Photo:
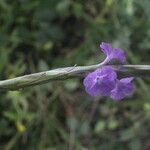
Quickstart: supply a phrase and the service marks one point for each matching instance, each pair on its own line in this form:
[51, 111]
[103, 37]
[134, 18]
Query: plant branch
[68, 72]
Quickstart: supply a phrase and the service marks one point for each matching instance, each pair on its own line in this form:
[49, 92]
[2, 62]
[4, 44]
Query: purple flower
[112, 53]
[104, 82]
[123, 88]
[100, 82]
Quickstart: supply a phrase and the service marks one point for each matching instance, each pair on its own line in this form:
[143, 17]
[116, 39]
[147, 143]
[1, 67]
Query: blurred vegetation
[37, 35]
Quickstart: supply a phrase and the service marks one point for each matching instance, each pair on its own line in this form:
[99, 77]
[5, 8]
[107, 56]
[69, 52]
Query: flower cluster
[104, 81]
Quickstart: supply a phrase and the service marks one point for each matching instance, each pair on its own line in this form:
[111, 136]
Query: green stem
[68, 72]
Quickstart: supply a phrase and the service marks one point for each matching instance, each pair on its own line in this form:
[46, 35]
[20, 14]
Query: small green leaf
[100, 126]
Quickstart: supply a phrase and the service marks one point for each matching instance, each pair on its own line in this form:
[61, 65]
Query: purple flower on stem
[112, 53]
[123, 88]
[104, 82]
[100, 82]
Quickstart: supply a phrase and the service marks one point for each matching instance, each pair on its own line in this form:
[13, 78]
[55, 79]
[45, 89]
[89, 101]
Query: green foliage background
[37, 35]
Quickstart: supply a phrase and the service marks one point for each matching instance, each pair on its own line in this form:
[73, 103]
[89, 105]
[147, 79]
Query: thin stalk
[68, 72]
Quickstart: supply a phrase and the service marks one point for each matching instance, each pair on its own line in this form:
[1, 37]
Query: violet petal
[100, 82]
[123, 88]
